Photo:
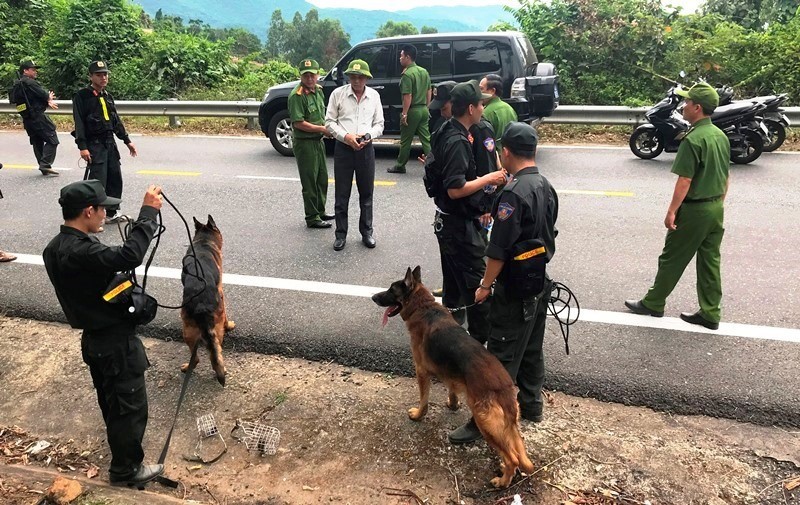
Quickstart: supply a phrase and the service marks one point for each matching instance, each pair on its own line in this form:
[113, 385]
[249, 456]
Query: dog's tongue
[385, 318]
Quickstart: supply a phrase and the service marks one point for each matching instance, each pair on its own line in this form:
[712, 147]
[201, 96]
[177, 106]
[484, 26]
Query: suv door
[380, 58]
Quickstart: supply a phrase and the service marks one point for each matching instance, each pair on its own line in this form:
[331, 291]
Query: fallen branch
[602, 462]
[455, 478]
[404, 492]
[539, 470]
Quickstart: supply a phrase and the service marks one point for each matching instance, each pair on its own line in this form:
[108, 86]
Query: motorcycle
[773, 116]
[741, 122]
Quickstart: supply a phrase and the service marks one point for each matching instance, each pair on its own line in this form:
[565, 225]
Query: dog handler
[521, 243]
[80, 268]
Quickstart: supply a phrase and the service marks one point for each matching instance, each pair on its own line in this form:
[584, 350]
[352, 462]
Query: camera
[364, 138]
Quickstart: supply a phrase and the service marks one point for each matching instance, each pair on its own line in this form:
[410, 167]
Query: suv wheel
[280, 133]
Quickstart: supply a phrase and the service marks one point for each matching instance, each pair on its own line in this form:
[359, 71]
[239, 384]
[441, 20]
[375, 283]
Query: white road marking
[587, 315]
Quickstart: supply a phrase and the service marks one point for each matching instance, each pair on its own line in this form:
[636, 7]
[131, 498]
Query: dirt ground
[345, 438]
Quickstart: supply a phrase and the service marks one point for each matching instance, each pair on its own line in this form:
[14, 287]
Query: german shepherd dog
[442, 348]
[203, 313]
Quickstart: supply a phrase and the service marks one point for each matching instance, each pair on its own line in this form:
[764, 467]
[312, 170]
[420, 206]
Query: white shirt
[348, 115]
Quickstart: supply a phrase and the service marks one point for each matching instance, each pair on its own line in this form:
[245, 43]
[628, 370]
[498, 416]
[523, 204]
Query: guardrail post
[174, 121]
[252, 121]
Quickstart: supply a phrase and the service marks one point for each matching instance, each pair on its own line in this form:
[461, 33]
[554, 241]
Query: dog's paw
[500, 482]
[416, 414]
[452, 403]
[229, 325]
[184, 367]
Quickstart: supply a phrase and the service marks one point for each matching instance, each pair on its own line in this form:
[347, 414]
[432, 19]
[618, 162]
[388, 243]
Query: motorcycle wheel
[646, 144]
[753, 147]
[777, 134]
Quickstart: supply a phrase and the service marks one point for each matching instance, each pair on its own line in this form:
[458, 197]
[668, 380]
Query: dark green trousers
[417, 125]
[699, 232]
[310, 157]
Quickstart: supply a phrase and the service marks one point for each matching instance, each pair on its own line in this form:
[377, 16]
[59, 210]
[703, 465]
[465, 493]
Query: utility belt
[702, 200]
[101, 139]
[526, 272]
[441, 218]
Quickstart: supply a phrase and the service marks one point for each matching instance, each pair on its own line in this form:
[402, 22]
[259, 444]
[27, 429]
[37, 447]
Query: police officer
[80, 269]
[694, 218]
[522, 242]
[96, 123]
[32, 100]
[415, 88]
[307, 114]
[496, 110]
[458, 230]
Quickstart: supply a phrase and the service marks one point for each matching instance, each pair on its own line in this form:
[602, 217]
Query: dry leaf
[92, 472]
[309, 488]
[195, 467]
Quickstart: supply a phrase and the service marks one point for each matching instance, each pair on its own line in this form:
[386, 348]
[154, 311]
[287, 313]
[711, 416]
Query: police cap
[441, 95]
[702, 94]
[96, 67]
[82, 194]
[520, 137]
[26, 64]
[466, 93]
[308, 65]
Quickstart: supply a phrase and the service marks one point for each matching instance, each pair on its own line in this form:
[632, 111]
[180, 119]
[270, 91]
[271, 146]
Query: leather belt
[702, 200]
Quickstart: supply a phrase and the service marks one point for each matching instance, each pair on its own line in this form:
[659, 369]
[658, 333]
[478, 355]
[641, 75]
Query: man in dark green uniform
[496, 110]
[80, 269]
[96, 123]
[32, 100]
[415, 88]
[522, 242]
[695, 215]
[307, 113]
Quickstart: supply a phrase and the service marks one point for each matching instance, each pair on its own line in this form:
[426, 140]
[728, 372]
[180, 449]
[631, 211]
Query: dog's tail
[209, 337]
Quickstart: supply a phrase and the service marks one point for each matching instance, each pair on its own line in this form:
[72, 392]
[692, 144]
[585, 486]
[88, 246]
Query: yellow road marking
[377, 183]
[168, 172]
[594, 193]
[21, 167]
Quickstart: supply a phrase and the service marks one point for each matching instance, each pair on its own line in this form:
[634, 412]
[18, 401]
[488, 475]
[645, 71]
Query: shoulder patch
[489, 144]
[504, 211]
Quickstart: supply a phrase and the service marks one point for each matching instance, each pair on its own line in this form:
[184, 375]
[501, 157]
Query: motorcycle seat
[731, 110]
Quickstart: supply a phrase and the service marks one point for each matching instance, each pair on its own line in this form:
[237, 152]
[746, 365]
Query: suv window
[476, 57]
[379, 58]
[440, 66]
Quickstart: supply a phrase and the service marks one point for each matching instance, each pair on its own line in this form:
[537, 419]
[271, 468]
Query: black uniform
[80, 268]
[527, 208]
[31, 100]
[461, 242]
[481, 136]
[96, 123]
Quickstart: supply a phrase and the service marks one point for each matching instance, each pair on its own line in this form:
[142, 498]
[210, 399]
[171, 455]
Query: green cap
[98, 67]
[308, 65]
[520, 137]
[82, 194]
[26, 64]
[359, 67]
[467, 93]
[702, 94]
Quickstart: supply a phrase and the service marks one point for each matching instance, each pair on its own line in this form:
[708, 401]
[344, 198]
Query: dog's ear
[409, 279]
[197, 224]
[417, 273]
[211, 222]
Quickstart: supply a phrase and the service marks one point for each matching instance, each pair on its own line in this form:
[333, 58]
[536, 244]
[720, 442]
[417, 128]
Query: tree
[392, 29]
[322, 39]
[501, 26]
[753, 14]
[428, 29]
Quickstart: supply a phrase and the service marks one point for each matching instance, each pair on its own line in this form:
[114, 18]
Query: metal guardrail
[248, 109]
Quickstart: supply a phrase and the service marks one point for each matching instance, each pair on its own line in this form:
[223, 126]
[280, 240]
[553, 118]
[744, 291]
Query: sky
[687, 5]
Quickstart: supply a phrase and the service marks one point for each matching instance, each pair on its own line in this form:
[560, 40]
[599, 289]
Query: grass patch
[280, 398]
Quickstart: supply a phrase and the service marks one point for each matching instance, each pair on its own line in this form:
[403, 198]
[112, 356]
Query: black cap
[82, 194]
[467, 93]
[98, 66]
[26, 64]
[441, 94]
[520, 137]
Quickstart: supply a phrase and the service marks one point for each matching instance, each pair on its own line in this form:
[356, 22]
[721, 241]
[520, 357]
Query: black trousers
[347, 162]
[462, 246]
[44, 139]
[106, 168]
[117, 362]
[518, 344]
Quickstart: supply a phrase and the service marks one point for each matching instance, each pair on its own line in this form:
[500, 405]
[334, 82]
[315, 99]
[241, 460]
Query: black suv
[529, 86]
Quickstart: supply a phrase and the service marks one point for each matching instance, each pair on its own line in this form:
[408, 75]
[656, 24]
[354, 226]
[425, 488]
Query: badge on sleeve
[504, 211]
[489, 144]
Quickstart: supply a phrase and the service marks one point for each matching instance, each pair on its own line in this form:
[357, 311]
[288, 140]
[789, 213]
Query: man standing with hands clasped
[694, 218]
[32, 100]
[96, 123]
[355, 117]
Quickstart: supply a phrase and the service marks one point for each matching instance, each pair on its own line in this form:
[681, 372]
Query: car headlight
[518, 88]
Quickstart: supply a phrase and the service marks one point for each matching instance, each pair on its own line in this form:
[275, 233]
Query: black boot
[466, 433]
[143, 475]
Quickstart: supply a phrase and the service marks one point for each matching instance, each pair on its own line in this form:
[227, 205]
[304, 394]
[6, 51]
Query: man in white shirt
[355, 118]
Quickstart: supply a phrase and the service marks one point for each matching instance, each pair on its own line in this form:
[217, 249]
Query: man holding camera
[81, 269]
[355, 118]
[32, 100]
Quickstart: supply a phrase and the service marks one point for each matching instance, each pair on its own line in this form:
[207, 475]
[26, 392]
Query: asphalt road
[290, 293]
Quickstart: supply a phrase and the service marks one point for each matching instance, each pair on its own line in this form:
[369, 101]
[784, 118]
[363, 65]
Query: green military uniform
[703, 156]
[415, 81]
[309, 150]
[499, 113]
